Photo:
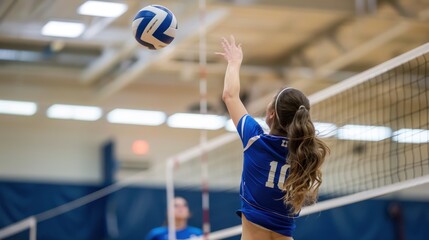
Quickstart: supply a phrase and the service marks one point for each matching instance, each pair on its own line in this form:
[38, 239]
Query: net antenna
[388, 104]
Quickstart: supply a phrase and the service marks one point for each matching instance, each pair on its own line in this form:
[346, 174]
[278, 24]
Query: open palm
[232, 51]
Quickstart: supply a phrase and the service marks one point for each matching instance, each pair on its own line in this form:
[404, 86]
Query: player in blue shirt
[183, 231]
[281, 170]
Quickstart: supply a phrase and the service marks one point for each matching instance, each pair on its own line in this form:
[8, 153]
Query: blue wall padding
[366, 220]
[19, 200]
[139, 209]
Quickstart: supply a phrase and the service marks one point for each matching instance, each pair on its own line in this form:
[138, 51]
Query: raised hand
[232, 51]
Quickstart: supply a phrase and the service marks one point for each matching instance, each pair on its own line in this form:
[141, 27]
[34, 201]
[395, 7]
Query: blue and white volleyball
[154, 27]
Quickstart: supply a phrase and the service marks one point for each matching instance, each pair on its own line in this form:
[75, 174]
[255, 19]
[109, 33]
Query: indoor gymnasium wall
[38, 149]
[54, 152]
[42, 149]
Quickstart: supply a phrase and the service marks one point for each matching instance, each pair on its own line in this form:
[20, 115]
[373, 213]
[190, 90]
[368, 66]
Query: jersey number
[273, 170]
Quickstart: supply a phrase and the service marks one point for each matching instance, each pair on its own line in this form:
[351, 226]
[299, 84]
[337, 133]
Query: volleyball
[154, 27]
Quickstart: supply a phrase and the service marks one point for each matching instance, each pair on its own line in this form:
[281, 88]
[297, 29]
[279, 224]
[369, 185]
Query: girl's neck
[276, 132]
[180, 224]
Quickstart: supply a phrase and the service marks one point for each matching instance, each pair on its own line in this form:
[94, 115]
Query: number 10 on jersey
[272, 173]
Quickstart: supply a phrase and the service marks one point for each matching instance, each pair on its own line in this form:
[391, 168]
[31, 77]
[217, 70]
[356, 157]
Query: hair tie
[302, 107]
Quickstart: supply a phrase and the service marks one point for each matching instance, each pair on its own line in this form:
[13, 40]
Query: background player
[183, 231]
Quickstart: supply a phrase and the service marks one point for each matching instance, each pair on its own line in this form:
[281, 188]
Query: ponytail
[306, 155]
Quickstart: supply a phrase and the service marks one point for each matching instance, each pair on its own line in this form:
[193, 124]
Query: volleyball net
[376, 124]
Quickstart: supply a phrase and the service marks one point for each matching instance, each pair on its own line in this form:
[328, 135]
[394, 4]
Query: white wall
[40, 149]
[32, 150]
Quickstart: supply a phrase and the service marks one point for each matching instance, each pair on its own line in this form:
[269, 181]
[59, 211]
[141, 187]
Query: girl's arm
[231, 90]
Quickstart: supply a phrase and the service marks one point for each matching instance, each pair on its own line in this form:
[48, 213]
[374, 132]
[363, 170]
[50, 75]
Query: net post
[170, 198]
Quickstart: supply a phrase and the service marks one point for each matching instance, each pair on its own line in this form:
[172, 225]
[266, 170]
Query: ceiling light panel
[196, 121]
[407, 135]
[17, 107]
[102, 9]
[63, 29]
[74, 112]
[364, 133]
[136, 117]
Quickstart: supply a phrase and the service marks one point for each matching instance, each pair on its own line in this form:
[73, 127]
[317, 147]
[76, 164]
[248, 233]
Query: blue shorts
[274, 222]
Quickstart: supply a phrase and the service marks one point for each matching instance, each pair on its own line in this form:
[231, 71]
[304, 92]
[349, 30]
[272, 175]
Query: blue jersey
[264, 172]
[161, 233]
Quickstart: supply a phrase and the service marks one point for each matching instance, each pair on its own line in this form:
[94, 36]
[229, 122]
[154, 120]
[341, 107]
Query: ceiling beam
[356, 53]
[110, 57]
[107, 61]
[5, 8]
[325, 32]
[97, 25]
[38, 73]
[332, 5]
[41, 9]
[188, 30]
[353, 54]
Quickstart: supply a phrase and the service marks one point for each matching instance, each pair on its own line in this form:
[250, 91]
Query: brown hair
[306, 151]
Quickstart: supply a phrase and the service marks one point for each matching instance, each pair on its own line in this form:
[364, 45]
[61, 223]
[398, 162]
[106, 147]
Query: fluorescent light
[196, 121]
[63, 29]
[137, 117]
[102, 9]
[364, 133]
[17, 107]
[325, 130]
[407, 135]
[84, 113]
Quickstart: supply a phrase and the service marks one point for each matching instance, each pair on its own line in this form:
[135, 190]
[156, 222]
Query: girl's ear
[271, 114]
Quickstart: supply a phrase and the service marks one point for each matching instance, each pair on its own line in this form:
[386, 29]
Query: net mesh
[378, 132]
[224, 164]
